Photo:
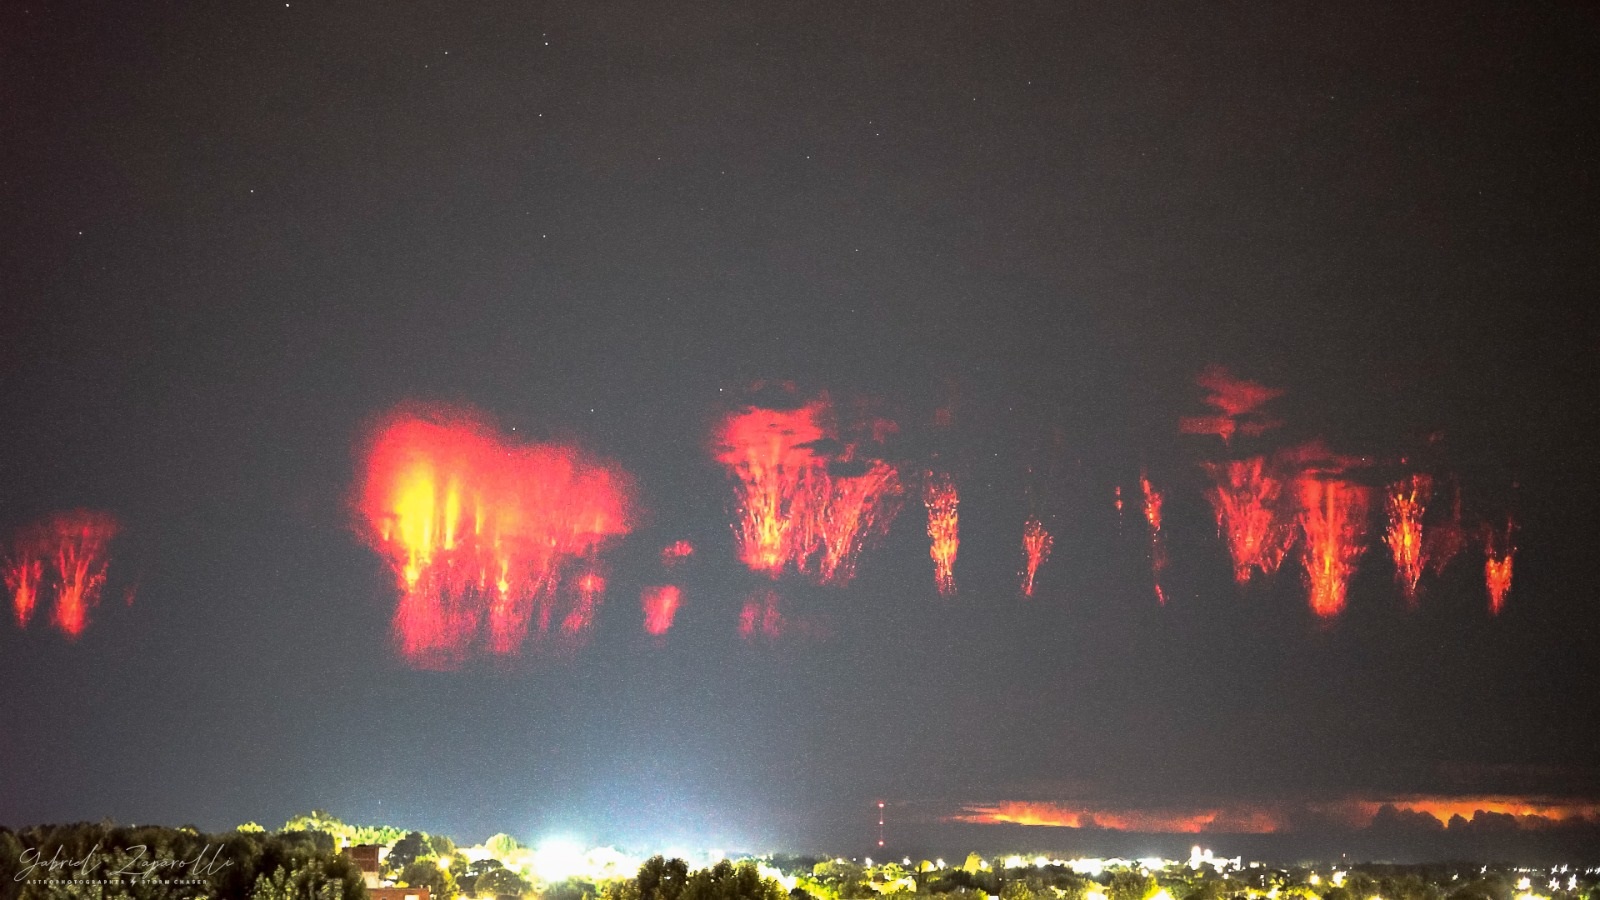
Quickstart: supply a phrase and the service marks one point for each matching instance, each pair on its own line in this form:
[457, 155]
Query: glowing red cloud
[676, 552]
[764, 619]
[1237, 403]
[806, 500]
[1036, 543]
[760, 617]
[859, 503]
[1158, 547]
[70, 547]
[1246, 497]
[944, 528]
[769, 453]
[1405, 505]
[80, 540]
[24, 572]
[660, 604]
[1234, 396]
[1333, 516]
[1498, 554]
[480, 532]
[586, 593]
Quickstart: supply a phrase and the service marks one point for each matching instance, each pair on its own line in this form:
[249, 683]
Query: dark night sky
[236, 232]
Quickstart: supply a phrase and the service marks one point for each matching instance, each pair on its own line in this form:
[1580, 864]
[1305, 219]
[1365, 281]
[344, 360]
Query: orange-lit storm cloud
[1529, 812]
[1151, 821]
[1355, 813]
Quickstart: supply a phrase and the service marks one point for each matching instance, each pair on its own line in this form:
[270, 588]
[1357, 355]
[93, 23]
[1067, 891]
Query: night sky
[236, 235]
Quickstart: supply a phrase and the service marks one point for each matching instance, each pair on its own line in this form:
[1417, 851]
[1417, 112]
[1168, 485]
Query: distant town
[317, 856]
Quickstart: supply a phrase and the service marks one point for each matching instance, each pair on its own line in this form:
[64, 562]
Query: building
[367, 858]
